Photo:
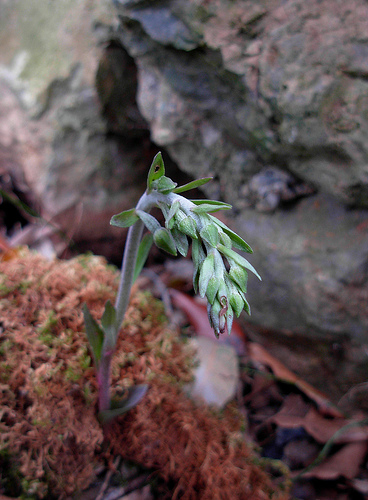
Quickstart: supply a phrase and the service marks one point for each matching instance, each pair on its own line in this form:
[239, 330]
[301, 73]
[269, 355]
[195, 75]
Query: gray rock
[281, 85]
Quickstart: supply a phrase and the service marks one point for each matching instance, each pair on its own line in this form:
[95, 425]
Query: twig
[107, 479]
[135, 484]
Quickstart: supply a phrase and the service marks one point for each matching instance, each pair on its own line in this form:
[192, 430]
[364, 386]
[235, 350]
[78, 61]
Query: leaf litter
[325, 449]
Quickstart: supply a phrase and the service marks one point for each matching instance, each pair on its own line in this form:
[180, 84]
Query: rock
[217, 375]
[229, 89]
[278, 85]
[75, 165]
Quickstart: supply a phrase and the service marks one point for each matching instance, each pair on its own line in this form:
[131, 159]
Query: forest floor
[278, 437]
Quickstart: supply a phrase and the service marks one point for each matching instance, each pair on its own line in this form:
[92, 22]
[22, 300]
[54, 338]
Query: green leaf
[238, 242]
[207, 206]
[192, 185]
[181, 241]
[108, 323]
[210, 234]
[163, 239]
[156, 171]
[124, 219]
[238, 259]
[164, 185]
[206, 272]
[149, 221]
[239, 275]
[94, 333]
[142, 254]
[135, 394]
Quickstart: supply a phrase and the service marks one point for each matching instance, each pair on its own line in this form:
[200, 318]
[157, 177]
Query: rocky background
[269, 97]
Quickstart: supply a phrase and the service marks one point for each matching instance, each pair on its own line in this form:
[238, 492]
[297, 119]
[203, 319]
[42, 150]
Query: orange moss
[48, 393]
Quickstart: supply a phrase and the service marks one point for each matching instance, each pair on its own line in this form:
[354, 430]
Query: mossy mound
[50, 439]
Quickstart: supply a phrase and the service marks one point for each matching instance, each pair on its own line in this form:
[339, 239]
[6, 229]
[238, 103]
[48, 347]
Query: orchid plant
[213, 243]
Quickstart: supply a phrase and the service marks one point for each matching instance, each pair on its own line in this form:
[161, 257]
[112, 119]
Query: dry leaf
[259, 354]
[344, 463]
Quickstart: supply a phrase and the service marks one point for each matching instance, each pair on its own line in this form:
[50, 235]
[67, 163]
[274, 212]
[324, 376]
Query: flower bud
[206, 272]
[165, 241]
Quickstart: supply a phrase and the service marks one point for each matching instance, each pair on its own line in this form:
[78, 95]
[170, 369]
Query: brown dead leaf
[344, 463]
[259, 354]
[319, 427]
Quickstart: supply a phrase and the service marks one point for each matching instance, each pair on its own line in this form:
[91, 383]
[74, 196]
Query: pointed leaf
[210, 234]
[238, 242]
[108, 322]
[149, 221]
[192, 185]
[156, 171]
[143, 251]
[124, 219]
[206, 272]
[135, 394]
[207, 206]
[163, 239]
[181, 241]
[238, 259]
[94, 333]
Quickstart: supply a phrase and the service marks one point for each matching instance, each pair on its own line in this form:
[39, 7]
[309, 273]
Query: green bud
[206, 272]
[170, 220]
[165, 241]
[213, 312]
[212, 289]
[198, 257]
[188, 226]
[239, 276]
[181, 241]
[210, 234]
[229, 319]
[164, 185]
[225, 239]
[235, 299]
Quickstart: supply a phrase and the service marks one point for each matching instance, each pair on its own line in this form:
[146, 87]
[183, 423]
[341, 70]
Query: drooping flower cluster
[223, 285]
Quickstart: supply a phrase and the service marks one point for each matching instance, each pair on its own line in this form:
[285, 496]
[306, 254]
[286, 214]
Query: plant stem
[103, 380]
[146, 202]
[127, 271]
